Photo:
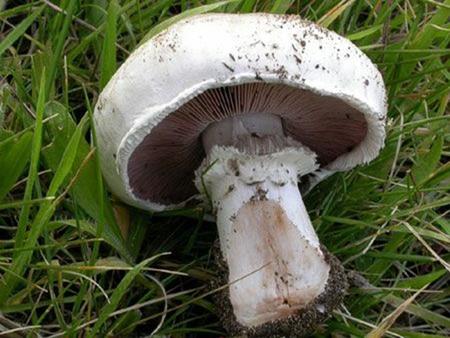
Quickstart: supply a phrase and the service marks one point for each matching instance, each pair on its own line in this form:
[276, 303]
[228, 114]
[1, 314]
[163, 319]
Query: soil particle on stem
[301, 324]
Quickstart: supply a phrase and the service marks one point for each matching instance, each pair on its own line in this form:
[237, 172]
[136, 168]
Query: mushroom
[241, 109]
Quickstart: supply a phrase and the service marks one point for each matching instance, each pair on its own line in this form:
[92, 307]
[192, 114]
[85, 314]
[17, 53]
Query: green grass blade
[14, 156]
[68, 159]
[100, 187]
[364, 33]
[420, 281]
[419, 311]
[17, 32]
[190, 12]
[85, 191]
[47, 209]
[281, 6]
[117, 295]
[426, 164]
[108, 58]
[18, 204]
[9, 279]
[247, 6]
[34, 163]
[61, 38]
[86, 226]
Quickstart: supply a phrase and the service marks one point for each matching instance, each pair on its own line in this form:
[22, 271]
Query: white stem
[264, 227]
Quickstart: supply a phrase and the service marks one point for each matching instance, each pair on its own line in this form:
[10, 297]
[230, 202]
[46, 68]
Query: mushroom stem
[264, 231]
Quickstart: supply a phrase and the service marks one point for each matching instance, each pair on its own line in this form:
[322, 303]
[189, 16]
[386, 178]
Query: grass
[65, 267]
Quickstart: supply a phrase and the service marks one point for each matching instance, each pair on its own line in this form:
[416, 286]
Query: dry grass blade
[352, 318]
[10, 332]
[427, 246]
[387, 322]
[327, 19]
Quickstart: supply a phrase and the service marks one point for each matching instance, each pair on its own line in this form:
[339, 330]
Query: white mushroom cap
[325, 77]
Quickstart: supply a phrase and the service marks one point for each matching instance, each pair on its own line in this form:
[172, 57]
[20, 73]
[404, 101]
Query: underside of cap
[330, 97]
[326, 125]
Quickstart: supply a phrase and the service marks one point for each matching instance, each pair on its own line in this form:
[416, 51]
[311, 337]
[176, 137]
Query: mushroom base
[274, 270]
[299, 323]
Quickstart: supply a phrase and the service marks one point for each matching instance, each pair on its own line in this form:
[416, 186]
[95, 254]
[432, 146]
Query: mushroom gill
[161, 168]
